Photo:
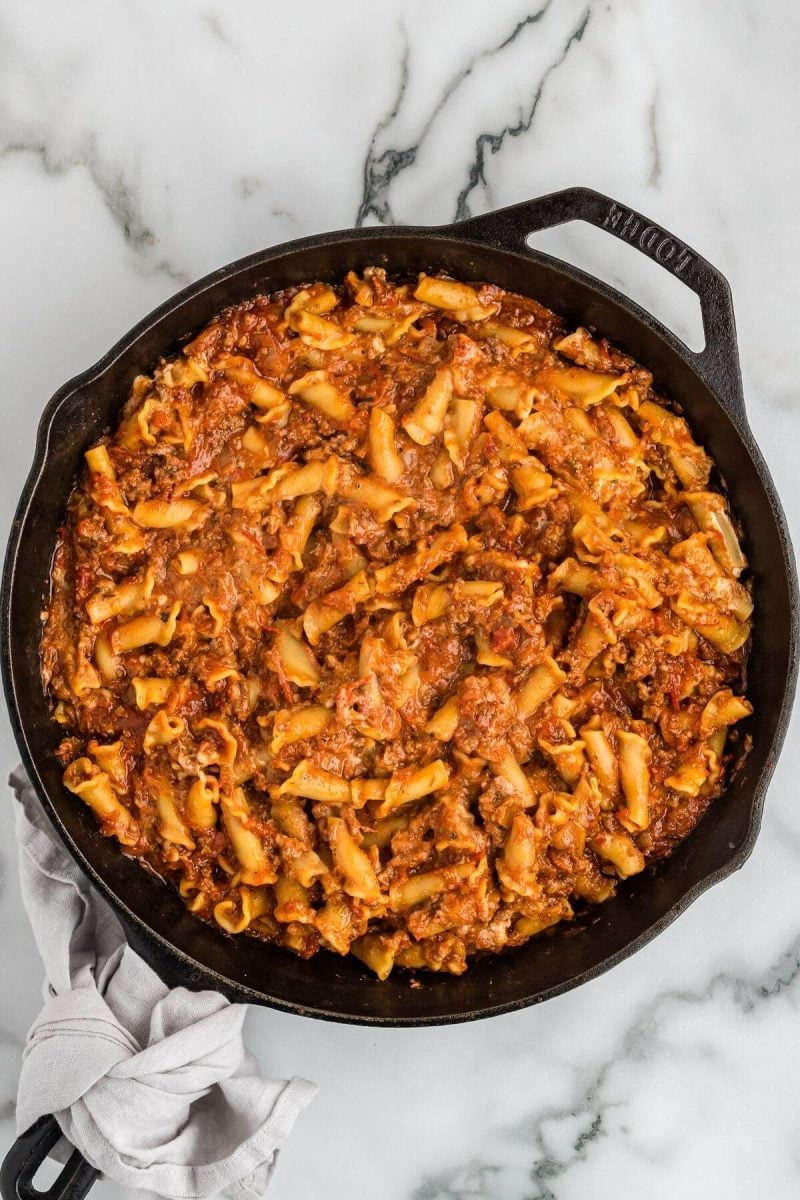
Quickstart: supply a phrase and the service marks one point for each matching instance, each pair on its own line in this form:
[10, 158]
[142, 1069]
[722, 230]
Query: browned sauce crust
[396, 619]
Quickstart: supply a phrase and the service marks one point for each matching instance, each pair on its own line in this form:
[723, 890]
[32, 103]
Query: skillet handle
[718, 362]
[28, 1153]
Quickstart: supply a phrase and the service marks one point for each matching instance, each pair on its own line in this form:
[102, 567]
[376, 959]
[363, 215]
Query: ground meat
[394, 619]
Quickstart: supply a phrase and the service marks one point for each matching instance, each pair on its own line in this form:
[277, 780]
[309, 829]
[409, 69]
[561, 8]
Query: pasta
[395, 619]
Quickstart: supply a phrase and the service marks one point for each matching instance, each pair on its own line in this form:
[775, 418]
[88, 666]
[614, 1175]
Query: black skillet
[708, 387]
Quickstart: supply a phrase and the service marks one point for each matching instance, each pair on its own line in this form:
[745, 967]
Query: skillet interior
[183, 949]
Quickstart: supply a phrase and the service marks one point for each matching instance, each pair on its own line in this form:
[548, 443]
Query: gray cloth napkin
[154, 1086]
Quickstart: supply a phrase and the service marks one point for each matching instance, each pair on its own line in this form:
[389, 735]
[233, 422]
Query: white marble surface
[142, 144]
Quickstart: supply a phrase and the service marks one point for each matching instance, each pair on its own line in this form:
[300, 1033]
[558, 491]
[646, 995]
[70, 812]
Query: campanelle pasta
[397, 620]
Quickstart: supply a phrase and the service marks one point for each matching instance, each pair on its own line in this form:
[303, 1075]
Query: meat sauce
[398, 620]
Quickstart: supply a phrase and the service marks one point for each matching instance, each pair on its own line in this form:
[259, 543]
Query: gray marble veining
[142, 145]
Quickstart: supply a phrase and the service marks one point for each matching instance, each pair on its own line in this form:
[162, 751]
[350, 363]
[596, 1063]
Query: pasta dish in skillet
[397, 619]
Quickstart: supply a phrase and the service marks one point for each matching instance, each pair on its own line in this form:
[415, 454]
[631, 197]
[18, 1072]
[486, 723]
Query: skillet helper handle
[28, 1153]
[718, 362]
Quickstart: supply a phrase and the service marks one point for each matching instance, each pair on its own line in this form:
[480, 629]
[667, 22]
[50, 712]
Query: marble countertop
[143, 144]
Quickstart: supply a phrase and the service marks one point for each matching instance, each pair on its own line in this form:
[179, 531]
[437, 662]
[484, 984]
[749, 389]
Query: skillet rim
[136, 925]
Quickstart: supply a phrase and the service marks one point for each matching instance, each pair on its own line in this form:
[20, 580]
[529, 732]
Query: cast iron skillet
[708, 386]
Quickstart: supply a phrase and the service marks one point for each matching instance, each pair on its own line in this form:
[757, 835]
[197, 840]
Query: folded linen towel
[153, 1086]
